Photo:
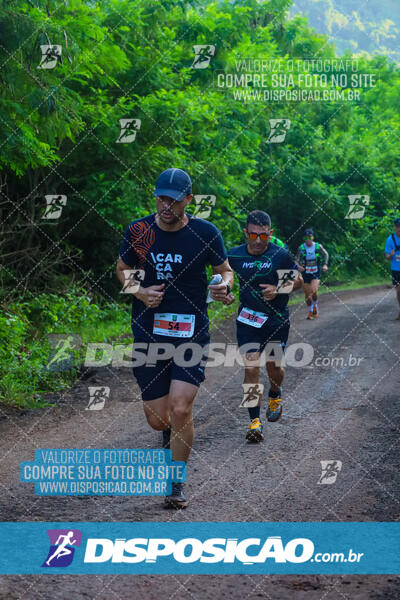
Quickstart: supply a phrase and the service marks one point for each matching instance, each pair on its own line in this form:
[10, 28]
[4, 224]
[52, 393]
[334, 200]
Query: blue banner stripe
[207, 548]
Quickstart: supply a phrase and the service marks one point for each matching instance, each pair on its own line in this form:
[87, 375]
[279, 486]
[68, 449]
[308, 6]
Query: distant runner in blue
[392, 253]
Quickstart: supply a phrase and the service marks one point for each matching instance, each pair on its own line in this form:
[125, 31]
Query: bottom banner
[207, 548]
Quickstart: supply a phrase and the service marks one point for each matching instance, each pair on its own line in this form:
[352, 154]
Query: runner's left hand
[324, 268]
[269, 291]
[228, 299]
[218, 291]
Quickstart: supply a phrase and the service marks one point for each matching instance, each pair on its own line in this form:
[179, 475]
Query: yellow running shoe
[274, 409]
[255, 431]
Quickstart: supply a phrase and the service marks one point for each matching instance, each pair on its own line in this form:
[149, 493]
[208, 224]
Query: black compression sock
[254, 412]
[272, 394]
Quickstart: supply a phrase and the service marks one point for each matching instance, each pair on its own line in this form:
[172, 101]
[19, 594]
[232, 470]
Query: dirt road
[333, 412]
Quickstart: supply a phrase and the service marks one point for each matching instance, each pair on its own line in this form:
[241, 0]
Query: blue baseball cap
[174, 183]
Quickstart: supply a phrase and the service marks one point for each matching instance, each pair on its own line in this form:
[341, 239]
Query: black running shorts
[155, 379]
[396, 277]
[274, 330]
[308, 277]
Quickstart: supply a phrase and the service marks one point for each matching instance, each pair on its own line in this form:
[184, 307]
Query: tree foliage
[132, 59]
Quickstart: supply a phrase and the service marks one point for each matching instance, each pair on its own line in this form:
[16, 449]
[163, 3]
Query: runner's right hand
[301, 268]
[152, 295]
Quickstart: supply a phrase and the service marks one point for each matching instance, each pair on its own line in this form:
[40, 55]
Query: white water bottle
[216, 279]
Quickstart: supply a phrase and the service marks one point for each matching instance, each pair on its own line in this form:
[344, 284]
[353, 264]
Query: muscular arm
[325, 253]
[298, 255]
[225, 271]
[218, 291]
[299, 259]
[121, 267]
[150, 296]
[389, 255]
[298, 283]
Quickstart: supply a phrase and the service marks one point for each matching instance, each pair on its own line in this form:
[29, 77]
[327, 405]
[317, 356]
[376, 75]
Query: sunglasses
[263, 236]
[308, 237]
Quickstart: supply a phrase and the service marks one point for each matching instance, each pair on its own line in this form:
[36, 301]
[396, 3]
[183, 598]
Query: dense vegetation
[132, 59]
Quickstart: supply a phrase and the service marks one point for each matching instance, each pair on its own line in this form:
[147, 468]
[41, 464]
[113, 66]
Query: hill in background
[371, 27]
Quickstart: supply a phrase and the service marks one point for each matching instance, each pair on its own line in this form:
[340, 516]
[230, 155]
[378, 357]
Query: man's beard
[260, 249]
[174, 219]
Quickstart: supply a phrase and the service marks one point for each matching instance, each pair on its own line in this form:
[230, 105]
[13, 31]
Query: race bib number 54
[174, 325]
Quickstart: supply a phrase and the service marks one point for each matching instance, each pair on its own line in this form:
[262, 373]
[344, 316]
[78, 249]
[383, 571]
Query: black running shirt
[261, 268]
[176, 258]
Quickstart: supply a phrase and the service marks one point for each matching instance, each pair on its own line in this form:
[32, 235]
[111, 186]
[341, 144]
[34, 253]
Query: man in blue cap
[392, 253]
[173, 249]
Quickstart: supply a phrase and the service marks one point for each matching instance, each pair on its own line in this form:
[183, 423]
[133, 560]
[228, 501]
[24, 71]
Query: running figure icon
[62, 549]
